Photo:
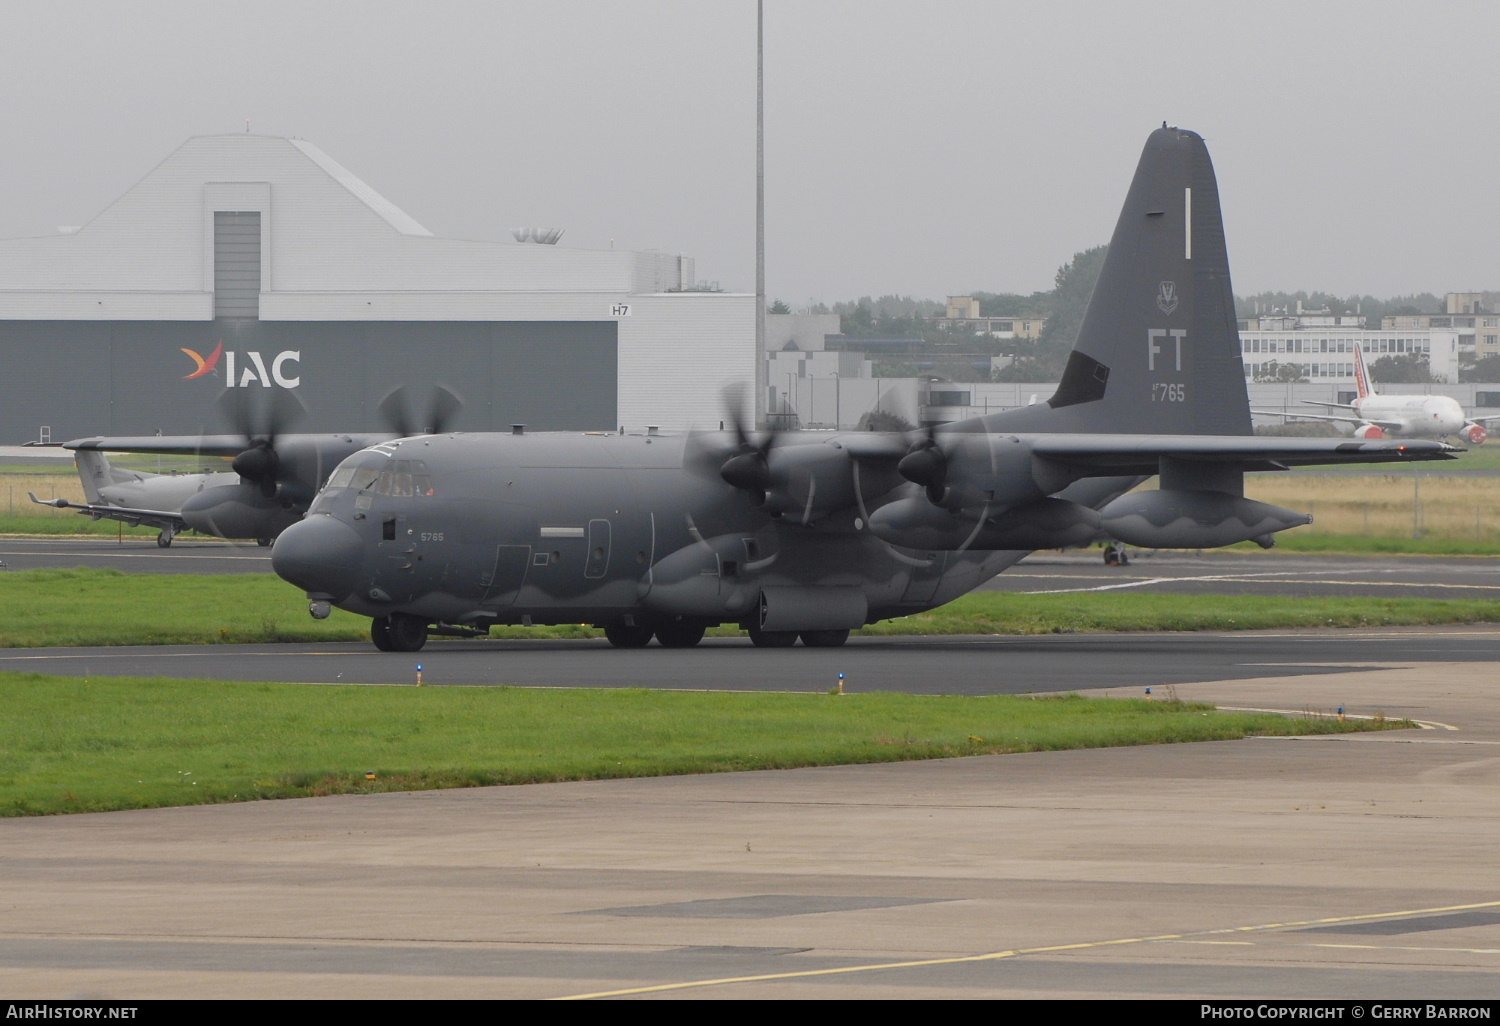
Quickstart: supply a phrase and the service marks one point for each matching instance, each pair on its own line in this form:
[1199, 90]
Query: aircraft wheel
[772, 639]
[380, 633]
[679, 635]
[263, 542]
[407, 633]
[824, 639]
[164, 540]
[621, 636]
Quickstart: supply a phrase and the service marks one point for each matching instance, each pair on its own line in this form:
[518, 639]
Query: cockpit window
[363, 477]
[394, 478]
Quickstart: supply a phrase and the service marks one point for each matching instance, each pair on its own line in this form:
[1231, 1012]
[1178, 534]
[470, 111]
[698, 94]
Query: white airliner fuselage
[1397, 416]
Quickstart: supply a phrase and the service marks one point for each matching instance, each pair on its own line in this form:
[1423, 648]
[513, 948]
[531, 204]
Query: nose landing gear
[399, 632]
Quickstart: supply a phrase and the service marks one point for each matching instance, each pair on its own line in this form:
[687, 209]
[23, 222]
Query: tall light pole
[760, 216]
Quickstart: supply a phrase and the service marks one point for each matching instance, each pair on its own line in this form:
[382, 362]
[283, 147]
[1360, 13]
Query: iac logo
[251, 365]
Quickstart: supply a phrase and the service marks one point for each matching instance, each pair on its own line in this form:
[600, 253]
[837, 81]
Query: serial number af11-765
[810, 535]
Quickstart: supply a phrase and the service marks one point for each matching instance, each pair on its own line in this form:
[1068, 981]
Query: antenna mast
[760, 216]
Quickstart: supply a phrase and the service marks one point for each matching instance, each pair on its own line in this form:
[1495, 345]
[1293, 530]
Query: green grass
[1304, 542]
[66, 523]
[1134, 610]
[86, 606]
[74, 745]
[41, 608]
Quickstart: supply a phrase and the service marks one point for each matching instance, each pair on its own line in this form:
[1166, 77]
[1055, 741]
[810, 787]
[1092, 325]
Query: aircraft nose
[319, 554]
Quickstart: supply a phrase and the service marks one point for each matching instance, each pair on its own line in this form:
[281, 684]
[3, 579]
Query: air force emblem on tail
[1166, 297]
[1165, 345]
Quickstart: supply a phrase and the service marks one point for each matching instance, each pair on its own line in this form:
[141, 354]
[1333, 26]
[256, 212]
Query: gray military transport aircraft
[271, 481]
[801, 535]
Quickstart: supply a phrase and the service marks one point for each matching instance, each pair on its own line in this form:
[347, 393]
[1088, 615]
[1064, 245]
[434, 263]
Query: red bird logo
[204, 366]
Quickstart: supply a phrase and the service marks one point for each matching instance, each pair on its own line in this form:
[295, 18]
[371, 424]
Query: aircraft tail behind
[1361, 375]
[95, 472]
[1159, 349]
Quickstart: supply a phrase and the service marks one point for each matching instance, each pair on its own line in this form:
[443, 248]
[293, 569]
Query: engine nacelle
[1369, 431]
[1043, 524]
[1473, 433]
[979, 470]
[237, 511]
[1194, 519]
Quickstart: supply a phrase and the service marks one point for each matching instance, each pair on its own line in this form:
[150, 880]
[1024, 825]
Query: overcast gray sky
[922, 148]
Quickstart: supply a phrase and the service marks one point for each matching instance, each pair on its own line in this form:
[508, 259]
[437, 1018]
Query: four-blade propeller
[926, 464]
[395, 411]
[259, 418]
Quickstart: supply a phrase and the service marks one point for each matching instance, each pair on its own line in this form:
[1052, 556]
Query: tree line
[1063, 306]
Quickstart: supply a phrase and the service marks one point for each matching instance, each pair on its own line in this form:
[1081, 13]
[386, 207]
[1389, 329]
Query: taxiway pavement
[1347, 867]
[1217, 573]
[972, 665]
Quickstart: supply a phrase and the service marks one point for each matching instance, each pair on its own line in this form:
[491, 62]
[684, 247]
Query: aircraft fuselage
[1419, 416]
[473, 530]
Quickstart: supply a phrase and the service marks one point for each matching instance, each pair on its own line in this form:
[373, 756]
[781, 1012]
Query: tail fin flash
[1159, 349]
[1361, 376]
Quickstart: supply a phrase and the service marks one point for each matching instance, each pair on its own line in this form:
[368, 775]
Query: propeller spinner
[260, 419]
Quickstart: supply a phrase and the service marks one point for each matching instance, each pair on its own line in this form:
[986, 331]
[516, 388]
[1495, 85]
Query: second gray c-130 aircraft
[801, 535]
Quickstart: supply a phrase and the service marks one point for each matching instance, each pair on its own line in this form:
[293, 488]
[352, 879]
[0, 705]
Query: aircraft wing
[165, 445]
[1389, 425]
[1332, 406]
[161, 519]
[1141, 454]
[212, 445]
[1310, 416]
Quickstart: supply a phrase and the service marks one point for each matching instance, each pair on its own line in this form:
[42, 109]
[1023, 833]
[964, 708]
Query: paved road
[977, 665]
[1325, 870]
[1220, 573]
[136, 555]
[1241, 573]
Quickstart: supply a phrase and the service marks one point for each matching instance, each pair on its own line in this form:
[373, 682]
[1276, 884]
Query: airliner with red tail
[1397, 416]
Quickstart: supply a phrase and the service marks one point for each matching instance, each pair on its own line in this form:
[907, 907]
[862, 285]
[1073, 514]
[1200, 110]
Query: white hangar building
[255, 262]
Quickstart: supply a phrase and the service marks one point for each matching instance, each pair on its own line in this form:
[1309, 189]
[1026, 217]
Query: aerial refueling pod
[1044, 524]
[1184, 519]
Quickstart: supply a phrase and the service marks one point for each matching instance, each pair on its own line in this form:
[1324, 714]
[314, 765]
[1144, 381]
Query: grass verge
[1304, 542]
[44, 608]
[80, 745]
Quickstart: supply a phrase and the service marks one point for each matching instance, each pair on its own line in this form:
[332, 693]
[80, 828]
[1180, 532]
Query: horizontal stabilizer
[162, 519]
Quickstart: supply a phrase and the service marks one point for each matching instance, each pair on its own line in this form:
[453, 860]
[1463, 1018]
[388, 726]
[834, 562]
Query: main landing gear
[1115, 555]
[786, 639]
[621, 636]
[164, 540]
[399, 632]
[680, 634]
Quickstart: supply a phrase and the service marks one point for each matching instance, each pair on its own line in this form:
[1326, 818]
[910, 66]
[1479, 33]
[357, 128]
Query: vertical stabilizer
[1361, 376]
[93, 473]
[96, 472]
[1159, 349]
